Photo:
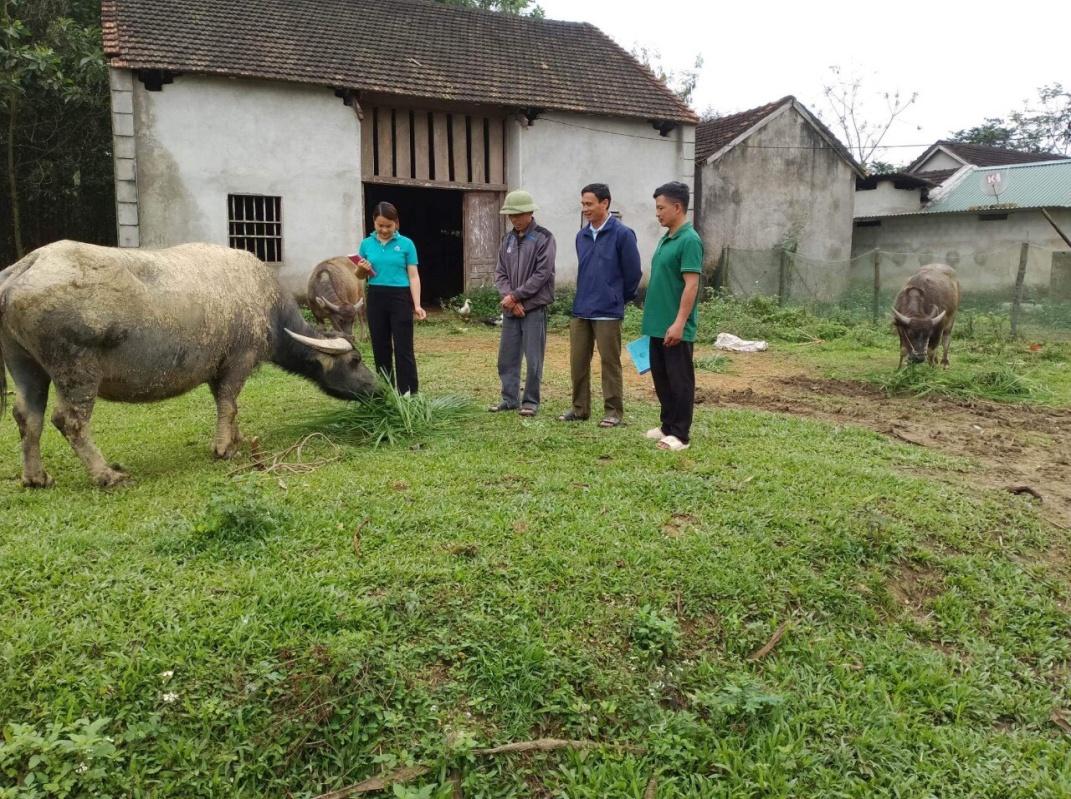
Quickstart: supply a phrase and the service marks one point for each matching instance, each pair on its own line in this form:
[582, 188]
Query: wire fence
[1027, 285]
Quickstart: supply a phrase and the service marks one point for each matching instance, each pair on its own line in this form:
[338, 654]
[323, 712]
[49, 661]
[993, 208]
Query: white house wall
[885, 198]
[985, 254]
[939, 160]
[202, 138]
[561, 153]
[781, 181]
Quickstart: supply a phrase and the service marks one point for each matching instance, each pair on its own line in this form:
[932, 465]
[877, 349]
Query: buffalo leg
[225, 390]
[74, 410]
[31, 383]
[946, 339]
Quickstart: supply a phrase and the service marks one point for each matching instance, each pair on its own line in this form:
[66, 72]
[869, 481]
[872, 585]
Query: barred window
[256, 224]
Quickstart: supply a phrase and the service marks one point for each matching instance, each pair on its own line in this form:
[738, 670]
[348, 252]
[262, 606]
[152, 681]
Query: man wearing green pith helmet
[524, 276]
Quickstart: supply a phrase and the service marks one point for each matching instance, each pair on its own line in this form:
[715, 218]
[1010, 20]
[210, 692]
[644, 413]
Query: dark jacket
[525, 267]
[608, 271]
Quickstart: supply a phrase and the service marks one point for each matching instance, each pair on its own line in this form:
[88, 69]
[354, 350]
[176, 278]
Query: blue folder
[640, 353]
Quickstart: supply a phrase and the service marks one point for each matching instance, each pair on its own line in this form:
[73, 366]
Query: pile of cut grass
[389, 417]
[1002, 383]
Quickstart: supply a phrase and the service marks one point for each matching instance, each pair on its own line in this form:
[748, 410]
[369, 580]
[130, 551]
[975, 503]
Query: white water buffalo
[140, 326]
[924, 312]
[336, 295]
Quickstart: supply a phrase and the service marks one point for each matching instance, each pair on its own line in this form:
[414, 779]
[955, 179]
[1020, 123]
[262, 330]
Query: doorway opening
[432, 218]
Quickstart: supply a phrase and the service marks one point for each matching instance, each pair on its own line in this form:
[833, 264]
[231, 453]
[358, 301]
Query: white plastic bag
[727, 341]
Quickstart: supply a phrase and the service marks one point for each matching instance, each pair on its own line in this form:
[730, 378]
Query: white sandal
[673, 444]
[655, 434]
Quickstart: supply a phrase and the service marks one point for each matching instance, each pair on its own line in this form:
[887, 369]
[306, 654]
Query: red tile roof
[412, 48]
[712, 135]
[937, 176]
[982, 155]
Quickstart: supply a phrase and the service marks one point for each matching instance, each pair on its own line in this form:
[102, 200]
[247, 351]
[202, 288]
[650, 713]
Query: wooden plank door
[482, 232]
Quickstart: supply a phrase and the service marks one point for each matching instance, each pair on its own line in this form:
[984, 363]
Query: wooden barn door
[482, 232]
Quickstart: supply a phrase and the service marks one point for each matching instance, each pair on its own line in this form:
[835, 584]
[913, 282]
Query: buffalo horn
[903, 319]
[328, 305]
[939, 317]
[328, 346]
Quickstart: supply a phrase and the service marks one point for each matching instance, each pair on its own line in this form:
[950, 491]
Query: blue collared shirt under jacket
[608, 271]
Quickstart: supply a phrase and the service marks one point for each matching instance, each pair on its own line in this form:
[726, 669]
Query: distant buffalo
[336, 295]
[140, 326]
[924, 312]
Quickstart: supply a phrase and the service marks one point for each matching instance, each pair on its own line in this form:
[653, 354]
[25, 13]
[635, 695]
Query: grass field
[288, 633]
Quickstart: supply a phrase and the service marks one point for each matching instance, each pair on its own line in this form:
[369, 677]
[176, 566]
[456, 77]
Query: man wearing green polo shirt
[671, 316]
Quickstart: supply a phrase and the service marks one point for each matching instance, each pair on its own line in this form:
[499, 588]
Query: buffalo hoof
[111, 477]
[42, 480]
[225, 454]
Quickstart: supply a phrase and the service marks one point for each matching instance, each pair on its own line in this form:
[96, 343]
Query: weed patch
[996, 384]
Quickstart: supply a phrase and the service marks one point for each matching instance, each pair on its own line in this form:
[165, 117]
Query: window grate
[256, 225]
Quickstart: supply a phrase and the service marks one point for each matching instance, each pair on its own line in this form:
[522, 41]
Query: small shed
[776, 177]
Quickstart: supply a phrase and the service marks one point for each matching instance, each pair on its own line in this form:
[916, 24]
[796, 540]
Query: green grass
[997, 384]
[389, 417]
[280, 635]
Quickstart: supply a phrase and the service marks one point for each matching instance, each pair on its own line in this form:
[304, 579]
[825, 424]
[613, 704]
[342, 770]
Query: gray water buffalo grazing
[924, 312]
[336, 295]
[140, 326]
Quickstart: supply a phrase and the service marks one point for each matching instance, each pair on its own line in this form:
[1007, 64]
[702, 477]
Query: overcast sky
[965, 62]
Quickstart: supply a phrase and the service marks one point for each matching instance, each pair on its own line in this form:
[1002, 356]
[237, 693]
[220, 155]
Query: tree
[1043, 126]
[523, 8]
[54, 117]
[863, 129]
[681, 83]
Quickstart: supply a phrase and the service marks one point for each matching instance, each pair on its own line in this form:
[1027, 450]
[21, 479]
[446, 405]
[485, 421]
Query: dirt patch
[1013, 445]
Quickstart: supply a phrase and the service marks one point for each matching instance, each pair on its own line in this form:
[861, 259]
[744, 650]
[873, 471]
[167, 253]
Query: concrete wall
[985, 254]
[886, 199]
[202, 138]
[783, 178]
[938, 160]
[561, 153]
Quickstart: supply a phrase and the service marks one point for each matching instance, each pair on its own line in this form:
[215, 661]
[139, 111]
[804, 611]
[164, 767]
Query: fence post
[782, 277]
[1017, 298]
[725, 281]
[877, 286]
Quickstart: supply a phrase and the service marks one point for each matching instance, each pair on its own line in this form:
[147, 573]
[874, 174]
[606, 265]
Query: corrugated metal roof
[1044, 185]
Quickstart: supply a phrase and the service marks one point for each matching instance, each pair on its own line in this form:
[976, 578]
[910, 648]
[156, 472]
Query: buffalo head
[917, 333]
[342, 373]
[342, 315]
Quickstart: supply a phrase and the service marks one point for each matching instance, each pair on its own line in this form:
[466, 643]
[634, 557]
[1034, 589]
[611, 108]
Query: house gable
[952, 155]
[714, 138]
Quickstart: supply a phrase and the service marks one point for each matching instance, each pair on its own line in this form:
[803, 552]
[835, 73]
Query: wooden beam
[421, 146]
[402, 144]
[384, 142]
[440, 128]
[436, 184]
[1052, 222]
[460, 153]
[479, 158]
[496, 140]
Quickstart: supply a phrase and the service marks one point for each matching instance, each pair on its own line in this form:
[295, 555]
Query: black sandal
[610, 421]
[501, 407]
[569, 416]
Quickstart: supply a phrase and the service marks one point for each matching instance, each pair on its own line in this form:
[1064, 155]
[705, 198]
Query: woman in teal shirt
[393, 297]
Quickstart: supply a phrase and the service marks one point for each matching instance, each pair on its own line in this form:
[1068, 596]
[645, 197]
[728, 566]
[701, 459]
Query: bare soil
[1017, 447]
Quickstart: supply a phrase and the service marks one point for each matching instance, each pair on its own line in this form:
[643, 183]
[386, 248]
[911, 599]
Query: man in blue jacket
[608, 276]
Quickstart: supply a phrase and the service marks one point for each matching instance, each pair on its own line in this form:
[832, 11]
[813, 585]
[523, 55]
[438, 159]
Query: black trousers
[390, 327]
[673, 371]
